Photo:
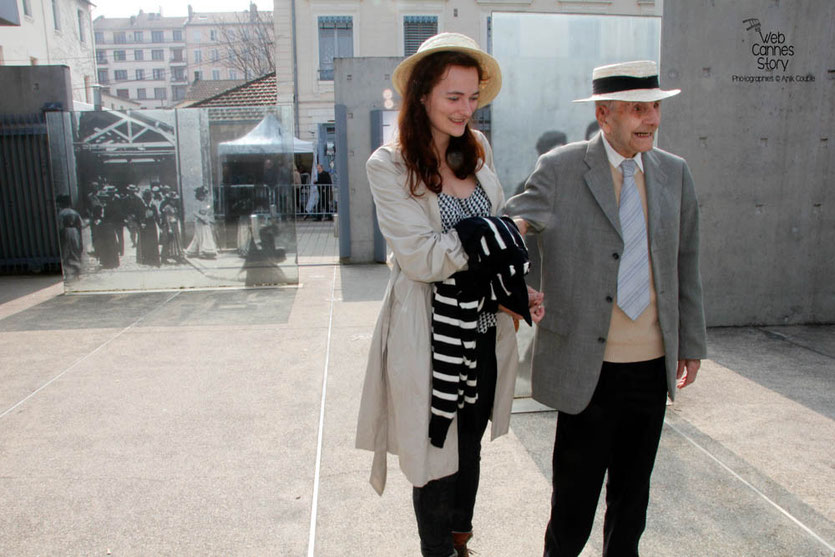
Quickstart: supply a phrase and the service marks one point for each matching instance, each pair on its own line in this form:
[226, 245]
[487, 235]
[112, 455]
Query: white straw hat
[456, 42]
[627, 81]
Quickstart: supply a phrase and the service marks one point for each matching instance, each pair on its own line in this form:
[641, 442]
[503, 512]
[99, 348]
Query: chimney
[253, 12]
[133, 18]
[190, 12]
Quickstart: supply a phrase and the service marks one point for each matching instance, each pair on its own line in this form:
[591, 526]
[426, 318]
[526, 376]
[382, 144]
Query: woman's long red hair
[464, 154]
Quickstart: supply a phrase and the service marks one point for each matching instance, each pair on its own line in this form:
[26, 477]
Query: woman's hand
[535, 304]
[535, 299]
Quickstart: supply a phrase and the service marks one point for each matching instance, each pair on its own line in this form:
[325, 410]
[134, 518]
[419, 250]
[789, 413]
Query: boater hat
[627, 81]
[456, 42]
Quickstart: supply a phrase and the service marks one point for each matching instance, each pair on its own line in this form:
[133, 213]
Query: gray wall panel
[758, 141]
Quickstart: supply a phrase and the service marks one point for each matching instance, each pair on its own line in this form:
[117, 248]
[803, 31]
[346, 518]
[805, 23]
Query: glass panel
[547, 61]
[189, 198]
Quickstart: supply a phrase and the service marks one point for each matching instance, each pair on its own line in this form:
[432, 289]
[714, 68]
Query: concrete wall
[759, 143]
[359, 85]
[28, 88]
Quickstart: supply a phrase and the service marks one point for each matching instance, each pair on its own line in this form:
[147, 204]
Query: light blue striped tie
[633, 273]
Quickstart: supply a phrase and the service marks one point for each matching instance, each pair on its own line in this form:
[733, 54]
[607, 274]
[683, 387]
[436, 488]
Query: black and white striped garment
[455, 307]
[454, 209]
[495, 249]
[498, 262]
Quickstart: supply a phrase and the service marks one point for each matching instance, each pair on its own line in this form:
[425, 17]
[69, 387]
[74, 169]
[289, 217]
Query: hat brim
[489, 88]
[633, 95]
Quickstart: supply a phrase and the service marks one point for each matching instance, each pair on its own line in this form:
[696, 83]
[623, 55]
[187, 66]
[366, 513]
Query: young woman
[436, 173]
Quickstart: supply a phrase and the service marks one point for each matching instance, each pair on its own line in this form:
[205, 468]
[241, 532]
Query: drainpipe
[295, 69]
[46, 34]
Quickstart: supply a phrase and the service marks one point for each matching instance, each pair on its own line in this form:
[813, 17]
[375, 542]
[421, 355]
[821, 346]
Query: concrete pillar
[361, 86]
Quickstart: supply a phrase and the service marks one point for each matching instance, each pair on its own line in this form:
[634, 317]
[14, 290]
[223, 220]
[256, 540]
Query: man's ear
[601, 111]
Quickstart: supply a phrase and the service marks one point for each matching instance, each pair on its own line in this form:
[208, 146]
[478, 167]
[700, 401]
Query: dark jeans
[619, 432]
[445, 505]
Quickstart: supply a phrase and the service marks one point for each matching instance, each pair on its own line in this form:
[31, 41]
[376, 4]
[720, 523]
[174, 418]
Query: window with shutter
[416, 29]
[336, 40]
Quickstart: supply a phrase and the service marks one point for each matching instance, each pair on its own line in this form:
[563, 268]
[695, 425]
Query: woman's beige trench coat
[395, 406]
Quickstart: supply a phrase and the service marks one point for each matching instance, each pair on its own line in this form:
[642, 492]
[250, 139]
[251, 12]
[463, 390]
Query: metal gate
[28, 231]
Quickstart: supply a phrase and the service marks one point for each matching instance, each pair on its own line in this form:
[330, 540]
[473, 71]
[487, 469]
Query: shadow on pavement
[262, 306]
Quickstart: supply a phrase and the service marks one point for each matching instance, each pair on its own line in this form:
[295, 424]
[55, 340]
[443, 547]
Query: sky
[172, 8]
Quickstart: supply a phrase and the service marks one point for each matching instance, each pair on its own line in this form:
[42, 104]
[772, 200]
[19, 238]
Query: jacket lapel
[429, 200]
[657, 193]
[490, 184]
[599, 180]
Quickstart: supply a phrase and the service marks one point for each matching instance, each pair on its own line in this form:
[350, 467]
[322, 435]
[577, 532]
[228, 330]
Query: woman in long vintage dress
[147, 242]
[171, 239]
[72, 244]
[106, 218]
[203, 243]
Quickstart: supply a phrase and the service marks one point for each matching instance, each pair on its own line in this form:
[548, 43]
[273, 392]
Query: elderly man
[617, 221]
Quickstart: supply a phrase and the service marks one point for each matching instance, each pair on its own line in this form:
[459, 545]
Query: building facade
[230, 45]
[151, 59]
[142, 58]
[56, 32]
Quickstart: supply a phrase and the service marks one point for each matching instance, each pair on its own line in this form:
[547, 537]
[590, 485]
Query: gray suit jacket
[569, 201]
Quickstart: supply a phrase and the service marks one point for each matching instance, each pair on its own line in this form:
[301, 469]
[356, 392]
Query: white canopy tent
[267, 138]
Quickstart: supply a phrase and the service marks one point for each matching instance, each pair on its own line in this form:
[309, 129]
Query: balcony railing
[145, 43]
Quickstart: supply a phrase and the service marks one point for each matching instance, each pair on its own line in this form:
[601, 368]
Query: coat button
[601, 340]
[609, 299]
[616, 255]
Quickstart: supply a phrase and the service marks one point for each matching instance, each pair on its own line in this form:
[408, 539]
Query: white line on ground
[754, 489]
[314, 508]
[82, 358]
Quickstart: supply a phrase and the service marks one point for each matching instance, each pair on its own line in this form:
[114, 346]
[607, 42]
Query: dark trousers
[618, 432]
[445, 505]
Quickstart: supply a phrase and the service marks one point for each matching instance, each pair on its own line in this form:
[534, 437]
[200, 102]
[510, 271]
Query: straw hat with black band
[627, 81]
[455, 42]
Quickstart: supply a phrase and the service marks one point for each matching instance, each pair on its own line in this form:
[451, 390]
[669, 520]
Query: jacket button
[609, 299]
[616, 255]
[601, 340]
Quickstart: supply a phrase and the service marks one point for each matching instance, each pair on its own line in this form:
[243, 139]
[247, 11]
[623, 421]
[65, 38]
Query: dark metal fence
[28, 230]
[315, 201]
